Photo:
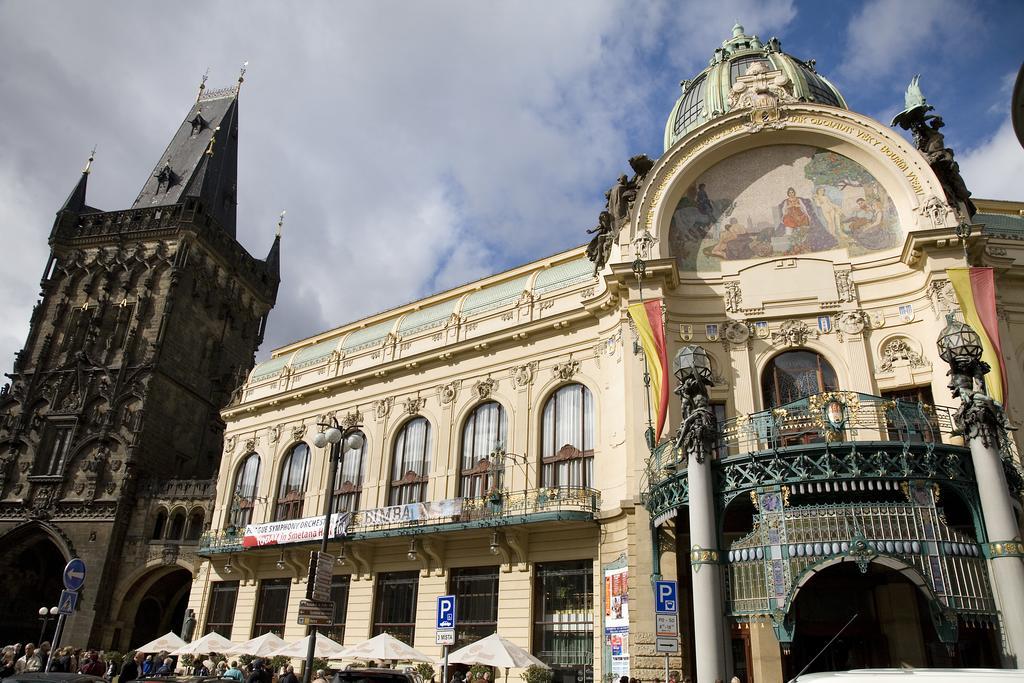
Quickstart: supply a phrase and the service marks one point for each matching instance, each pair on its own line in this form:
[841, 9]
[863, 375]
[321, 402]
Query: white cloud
[415, 146]
[884, 35]
[994, 169]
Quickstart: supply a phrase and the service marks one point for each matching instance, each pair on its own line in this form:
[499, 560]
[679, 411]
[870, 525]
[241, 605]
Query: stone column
[983, 424]
[696, 438]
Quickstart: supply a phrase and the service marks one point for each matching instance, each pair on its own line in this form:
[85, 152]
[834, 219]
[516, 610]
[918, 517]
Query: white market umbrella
[325, 648]
[211, 642]
[385, 647]
[260, 646]
[497, 651]
[165, 643]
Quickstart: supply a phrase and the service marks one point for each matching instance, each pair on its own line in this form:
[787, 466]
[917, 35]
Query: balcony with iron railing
[497, 509]
[831, 436]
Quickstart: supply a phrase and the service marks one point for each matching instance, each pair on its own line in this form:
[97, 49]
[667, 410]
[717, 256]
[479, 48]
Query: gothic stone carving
[566, 370]
[733, 297]
[736, 332]
[522, 375]
[851, 322]
[298, 431]
[899, 350]
[484, 388]
[352, 418]
[382, 408]
[447, 393]
[413, 405]
[844, 286]
[794, 333]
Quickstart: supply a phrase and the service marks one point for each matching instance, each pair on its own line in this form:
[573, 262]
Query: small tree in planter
[425, 670]
[536, 674]
[245, 660]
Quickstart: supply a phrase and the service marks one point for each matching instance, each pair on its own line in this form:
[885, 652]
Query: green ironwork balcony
[496, 509]
[828, 418]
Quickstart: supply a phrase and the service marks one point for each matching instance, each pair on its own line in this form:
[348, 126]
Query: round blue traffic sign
[74, 574]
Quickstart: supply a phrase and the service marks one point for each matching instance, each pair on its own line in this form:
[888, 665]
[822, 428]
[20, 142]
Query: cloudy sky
[420, 145]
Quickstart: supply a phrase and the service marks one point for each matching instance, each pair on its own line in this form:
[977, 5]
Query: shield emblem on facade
[834, 413]
[825, 324]
[907, 313]
[711, 330]
[685, 332]
[761, 329]
[877, 319]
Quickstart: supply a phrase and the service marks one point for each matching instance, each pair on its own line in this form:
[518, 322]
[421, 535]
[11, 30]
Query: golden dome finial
[213, 138]
[241, 77]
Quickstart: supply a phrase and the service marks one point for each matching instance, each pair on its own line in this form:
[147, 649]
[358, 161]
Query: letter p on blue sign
[446, 611]
[666, 599]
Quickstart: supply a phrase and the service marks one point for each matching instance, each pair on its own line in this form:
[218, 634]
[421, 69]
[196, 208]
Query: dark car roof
[52, 677]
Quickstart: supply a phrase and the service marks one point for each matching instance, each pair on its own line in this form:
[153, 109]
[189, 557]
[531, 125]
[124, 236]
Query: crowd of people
[28, 658]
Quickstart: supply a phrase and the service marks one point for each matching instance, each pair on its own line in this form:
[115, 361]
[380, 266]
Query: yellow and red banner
[650, 325]
[976, 291]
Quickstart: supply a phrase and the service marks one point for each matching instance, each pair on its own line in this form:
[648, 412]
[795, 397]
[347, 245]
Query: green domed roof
[706, 96]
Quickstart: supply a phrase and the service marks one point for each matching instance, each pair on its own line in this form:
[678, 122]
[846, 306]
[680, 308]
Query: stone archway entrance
[31, 567]
[154, 605]
[893, 626]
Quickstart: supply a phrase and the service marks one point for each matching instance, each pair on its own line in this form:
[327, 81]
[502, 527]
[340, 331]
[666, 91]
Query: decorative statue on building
[932, 144]
[188, 625]
[699, 428]
[619, 201]
[600, 247]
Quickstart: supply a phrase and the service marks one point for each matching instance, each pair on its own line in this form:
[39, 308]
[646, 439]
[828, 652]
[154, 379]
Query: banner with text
[411, 512]
[294, 530]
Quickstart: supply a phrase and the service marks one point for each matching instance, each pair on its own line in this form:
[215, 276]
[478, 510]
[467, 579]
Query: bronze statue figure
[932, 144]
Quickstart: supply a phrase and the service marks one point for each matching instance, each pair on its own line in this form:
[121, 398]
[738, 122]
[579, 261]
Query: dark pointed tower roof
[75, 203]
[273, 260]
[201, 162]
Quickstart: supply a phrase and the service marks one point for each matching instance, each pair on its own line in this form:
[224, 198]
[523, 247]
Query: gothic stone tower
[148, 321]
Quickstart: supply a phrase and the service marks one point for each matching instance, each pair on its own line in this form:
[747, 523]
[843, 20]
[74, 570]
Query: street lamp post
[330, 433]
[45, 615]
[982, 422]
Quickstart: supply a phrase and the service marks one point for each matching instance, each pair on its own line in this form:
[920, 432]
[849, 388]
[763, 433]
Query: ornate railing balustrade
[501, 508]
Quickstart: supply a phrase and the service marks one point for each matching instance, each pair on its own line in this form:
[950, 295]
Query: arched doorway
[793, 375]
[892, 627]
[155, 604]
[31, 568]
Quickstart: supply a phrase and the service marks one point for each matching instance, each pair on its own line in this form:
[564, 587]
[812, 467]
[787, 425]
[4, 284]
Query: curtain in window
[348, 480]
[245, 490]
[292, 489]
[568, 420]
[411, 455]
[484, 430]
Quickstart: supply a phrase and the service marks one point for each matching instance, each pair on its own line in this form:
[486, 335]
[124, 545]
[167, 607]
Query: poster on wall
[616, 618]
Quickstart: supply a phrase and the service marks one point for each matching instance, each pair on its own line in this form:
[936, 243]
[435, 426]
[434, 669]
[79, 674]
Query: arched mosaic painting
[781, 201]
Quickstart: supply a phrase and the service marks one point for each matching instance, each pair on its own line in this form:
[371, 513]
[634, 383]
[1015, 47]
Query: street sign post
[666, 607]
[444, 629]
[68, 601]
[666, 597]
[74, 579]
[316, 613]
[321, 573]
[74, 574]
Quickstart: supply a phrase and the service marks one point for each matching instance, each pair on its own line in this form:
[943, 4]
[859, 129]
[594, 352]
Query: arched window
[195, 525]
[177, 529]
[348, 479]
[161, 522]
[410, 465]
[246, 480]
[793, 375]
[567, 450]
[484, 430]
[291, 492]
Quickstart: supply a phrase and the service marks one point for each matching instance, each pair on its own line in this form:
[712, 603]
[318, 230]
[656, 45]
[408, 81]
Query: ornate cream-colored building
[805, 247]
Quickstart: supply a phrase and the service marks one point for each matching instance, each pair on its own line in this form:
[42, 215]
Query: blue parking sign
[446, 612]
[666, 597]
